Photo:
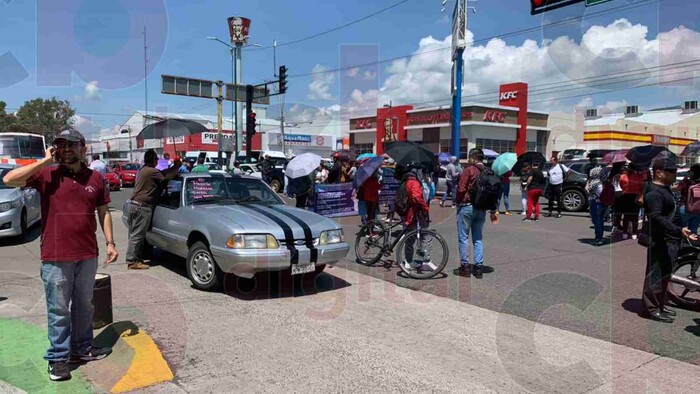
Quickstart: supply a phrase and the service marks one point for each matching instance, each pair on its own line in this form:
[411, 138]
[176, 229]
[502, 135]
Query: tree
[8, 122]
[46, 116]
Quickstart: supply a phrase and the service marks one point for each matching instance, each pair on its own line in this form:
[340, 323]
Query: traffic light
[283, 79]
[250, 125]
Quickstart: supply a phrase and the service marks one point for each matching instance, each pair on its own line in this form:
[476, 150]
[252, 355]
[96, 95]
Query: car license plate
[303, 268]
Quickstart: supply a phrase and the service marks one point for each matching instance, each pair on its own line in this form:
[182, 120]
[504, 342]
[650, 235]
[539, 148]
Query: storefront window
[445, 146]
[503, 146]
[362, 148]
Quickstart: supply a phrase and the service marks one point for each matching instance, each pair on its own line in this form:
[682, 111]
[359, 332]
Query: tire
[202, 269]
[435, 269]
[363, 242]
[681, 295]
[573, 200]
[275, 185]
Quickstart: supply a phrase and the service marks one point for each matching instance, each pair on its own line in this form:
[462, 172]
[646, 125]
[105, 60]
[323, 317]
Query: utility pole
[250, 120]
[459, 30]
[220, 117]
[238, 78]
[284, 144]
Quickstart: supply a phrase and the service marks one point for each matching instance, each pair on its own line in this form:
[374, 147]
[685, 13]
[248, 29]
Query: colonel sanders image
[238, 28]
[389, 133]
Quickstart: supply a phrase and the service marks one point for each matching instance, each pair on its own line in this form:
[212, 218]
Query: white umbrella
[302, 165]
[490, 154]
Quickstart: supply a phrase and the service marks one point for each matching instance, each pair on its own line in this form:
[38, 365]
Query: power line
[485, 40]
[333, 29]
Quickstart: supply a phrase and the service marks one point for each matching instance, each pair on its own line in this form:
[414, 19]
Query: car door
[32, 203]
[170, 229]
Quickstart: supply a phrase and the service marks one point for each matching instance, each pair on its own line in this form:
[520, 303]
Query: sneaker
[507, 213]
[523, 213]
[558, 216]
[58, 371]
[598, 242]
[634, 236]
[442, 204]
[94, 354]
[478, 272]
[463, 270]
[139, 265]
[535, 220]
[527, 220]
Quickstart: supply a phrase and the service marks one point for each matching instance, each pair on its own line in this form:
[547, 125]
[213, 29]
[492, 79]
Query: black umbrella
[528, 157]
[405, 153]
[691, 149]
[171, 128]
[645, 154]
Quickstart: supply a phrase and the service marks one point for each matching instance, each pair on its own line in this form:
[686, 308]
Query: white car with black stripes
[222, 223]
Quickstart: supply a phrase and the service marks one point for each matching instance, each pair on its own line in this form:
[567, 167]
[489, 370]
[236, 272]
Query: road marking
[148, 366]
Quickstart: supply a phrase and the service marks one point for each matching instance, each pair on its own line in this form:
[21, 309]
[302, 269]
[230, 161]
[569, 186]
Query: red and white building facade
[506, 127]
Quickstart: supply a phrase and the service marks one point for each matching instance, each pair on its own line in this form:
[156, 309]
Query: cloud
[85, 125]
[568, 67]
[319, 88]
[92, 91]
[610, 107]
[369, 75]
[352, 73]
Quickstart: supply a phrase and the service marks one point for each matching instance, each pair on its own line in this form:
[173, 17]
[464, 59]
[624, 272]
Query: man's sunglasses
[67, 144]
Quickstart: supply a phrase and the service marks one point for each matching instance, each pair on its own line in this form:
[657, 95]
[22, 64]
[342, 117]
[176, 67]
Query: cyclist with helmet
[413, 209]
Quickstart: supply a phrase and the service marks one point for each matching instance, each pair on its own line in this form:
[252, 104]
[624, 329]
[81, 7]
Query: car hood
[9, 194]
[269, 219]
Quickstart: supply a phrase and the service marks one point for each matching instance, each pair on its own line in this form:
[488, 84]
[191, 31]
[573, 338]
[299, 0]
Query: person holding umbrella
[301, 172]
[367, 184]
[535, 187]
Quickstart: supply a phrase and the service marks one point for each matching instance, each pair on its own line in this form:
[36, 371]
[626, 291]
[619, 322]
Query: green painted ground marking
[22, 348]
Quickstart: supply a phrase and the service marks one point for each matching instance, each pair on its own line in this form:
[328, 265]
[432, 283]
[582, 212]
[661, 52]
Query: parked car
[114, 181]
[574, 196]
[127, 172]
[251, 170]
[20, 208]
[237, 224]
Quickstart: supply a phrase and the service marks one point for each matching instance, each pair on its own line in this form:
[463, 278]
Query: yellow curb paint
[148, 366]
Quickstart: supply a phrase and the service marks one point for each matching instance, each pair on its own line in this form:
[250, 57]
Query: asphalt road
[548, 272]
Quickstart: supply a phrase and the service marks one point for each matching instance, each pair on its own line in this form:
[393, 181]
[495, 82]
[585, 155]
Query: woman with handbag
[661, 233]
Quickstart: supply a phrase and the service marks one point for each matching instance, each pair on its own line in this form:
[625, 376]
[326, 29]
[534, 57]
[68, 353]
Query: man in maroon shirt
[70, 195]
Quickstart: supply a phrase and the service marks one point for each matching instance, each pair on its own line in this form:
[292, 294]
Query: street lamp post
[236, 121]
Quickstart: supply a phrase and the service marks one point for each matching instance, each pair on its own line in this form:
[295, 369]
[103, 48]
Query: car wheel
[202, 269]
[275, 185]
[573, 201]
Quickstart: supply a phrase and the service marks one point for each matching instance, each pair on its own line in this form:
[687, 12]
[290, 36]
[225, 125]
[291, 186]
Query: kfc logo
[363, 124]
[239, 29]
[494, 116]
[509, 95]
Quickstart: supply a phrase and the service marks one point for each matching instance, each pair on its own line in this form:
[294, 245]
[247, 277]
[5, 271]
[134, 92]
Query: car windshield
[205, 190]
[4, 171]
[130, 167]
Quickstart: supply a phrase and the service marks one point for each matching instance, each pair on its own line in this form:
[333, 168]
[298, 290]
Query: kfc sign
[363, 124]
[494, 116]
[441, 117]
[239, 29]
[509, 95]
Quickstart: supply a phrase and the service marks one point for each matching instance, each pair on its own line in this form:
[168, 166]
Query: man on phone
[70, 195]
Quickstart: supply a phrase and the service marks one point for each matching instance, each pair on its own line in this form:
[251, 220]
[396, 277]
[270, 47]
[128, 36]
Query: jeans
[362, 211]
[554, 196]
[450, 190]
[138, 222]
[472, 219]
[597, 217]
[533, 203]
[68, 287]
[505, 193]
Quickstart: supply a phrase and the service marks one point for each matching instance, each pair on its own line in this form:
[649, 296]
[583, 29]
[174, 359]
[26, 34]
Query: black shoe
[658, 316]
[463, 270]
[527, 220]
[58, 371]
[558, 216]
[94, 354]
[478, 272]
[669, 312]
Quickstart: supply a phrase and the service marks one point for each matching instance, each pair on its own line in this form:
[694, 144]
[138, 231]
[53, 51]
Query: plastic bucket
[102, 301]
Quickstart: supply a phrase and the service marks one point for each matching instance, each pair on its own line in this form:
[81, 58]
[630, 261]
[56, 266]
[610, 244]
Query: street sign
[261, 94]
[540, 6]
[183, 86]
[595, 2]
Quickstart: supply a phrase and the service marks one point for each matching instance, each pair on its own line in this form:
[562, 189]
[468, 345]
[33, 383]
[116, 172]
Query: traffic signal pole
[220, 117]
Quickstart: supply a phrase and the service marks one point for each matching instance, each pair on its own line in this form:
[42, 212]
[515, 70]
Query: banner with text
[390, 185]
[334, 200]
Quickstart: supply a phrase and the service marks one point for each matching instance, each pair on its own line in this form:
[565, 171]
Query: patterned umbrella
[691, 149]
[615, 157]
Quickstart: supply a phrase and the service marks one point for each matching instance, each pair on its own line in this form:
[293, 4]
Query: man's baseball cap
[71, 135]
[665, 164]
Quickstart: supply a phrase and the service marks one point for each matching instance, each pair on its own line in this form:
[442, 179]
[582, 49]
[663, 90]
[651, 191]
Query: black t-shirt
[538, 179]
[664, 217]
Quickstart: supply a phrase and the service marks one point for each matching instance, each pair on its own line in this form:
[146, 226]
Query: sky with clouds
[91, 52]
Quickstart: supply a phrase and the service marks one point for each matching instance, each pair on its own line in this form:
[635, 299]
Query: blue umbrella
[366, 170]
[504, 163]
[444, 158]
[366, 156]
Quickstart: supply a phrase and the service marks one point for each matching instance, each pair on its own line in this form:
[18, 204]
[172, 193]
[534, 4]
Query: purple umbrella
[615, 157]
[366, 170]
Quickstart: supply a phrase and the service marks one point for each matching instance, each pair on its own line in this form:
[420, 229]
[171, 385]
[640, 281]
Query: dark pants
[660, 260]
[301, 200]
[138, 221]
[371, 210]
[554, 195]
[448, 193]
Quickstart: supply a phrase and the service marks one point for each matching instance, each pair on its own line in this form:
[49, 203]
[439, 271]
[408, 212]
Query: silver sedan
[222, 223]
[20, 208]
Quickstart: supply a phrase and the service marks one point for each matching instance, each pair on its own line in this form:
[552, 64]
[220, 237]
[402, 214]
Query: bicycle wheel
[370, 242]
[684, 287]
[422, 254]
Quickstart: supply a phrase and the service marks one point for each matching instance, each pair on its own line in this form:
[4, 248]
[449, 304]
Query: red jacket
[466, 182]
[371, 189]
[416, 203]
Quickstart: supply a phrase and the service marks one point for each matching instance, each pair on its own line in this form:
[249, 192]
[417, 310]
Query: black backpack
[486, 190]
[401, 206]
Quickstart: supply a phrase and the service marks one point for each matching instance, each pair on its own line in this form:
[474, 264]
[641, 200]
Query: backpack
[486, 190]
[693, 203]
[401, 206]
[607, 196]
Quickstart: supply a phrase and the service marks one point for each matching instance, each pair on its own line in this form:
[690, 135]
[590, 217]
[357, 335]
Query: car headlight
[252, 241]
[6, 206]
[331, 237]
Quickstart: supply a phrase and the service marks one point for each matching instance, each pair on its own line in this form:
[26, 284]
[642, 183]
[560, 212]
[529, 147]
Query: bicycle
[374, 234]
[684, 285]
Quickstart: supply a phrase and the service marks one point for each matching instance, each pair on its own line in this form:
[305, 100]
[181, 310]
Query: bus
[21, 148]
